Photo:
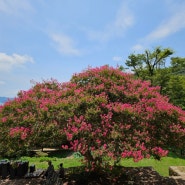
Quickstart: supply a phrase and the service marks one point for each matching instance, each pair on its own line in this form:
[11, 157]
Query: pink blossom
[65, 147]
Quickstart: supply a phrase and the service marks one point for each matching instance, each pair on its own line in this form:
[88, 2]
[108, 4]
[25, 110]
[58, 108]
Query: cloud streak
[14, 6]
[123, 20]
[2, 82]
[8, 62]
[65, 44]
[117, 58]
[171, 26]
[174, 24]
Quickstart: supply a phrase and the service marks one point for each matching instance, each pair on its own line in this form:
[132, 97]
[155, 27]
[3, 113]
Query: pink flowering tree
[117, 116]
[104, 114]
[31, 119]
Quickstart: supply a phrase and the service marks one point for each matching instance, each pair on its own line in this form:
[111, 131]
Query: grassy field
[67, 158]
[71, 160]
[162, 166]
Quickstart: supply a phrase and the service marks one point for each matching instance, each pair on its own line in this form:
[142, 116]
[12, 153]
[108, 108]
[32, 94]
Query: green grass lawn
[41, 162]
[57, 157]
[67, 158]
[162, 166]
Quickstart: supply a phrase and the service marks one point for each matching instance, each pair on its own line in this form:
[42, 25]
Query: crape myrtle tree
[118, 116]
[104, 113]
[30, 120]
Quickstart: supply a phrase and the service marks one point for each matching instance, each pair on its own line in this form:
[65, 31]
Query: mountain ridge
[3, 99]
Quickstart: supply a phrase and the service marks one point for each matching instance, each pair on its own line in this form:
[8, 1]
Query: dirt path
[37, 181]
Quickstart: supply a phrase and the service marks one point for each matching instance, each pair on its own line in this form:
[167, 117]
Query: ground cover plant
[103, 113]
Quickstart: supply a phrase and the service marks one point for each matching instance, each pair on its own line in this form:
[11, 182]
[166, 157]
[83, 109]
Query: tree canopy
[149, 61]
[102, 112]
[153, 66]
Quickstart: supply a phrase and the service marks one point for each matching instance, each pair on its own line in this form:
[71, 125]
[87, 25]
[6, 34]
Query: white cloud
[2, 82]
[117, 58]
[7, 62]
[138, 47]
[123, 20]
[171, 26]
[65, 44]
[174, 23]
[14, 6]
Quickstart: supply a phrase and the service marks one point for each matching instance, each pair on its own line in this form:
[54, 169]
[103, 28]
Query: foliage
[175, 89]
[151, 65]
[104, 114]
[178, 65]
[145, 65]
[117, 116]
[30, 120]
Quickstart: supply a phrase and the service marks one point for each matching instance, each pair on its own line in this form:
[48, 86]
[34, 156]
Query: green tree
[178, 65]
[175, 89]
[145, 65]
[151, 65]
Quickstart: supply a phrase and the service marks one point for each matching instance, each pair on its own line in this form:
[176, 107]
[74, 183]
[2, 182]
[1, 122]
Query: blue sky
[44, 39]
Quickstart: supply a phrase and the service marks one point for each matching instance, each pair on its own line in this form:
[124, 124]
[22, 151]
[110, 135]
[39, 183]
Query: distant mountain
[3, 99]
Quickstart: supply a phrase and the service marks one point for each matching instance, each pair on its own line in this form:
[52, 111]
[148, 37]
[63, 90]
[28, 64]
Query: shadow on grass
[119, 176]
[176, 154]
[60, 153]
[52, 153]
